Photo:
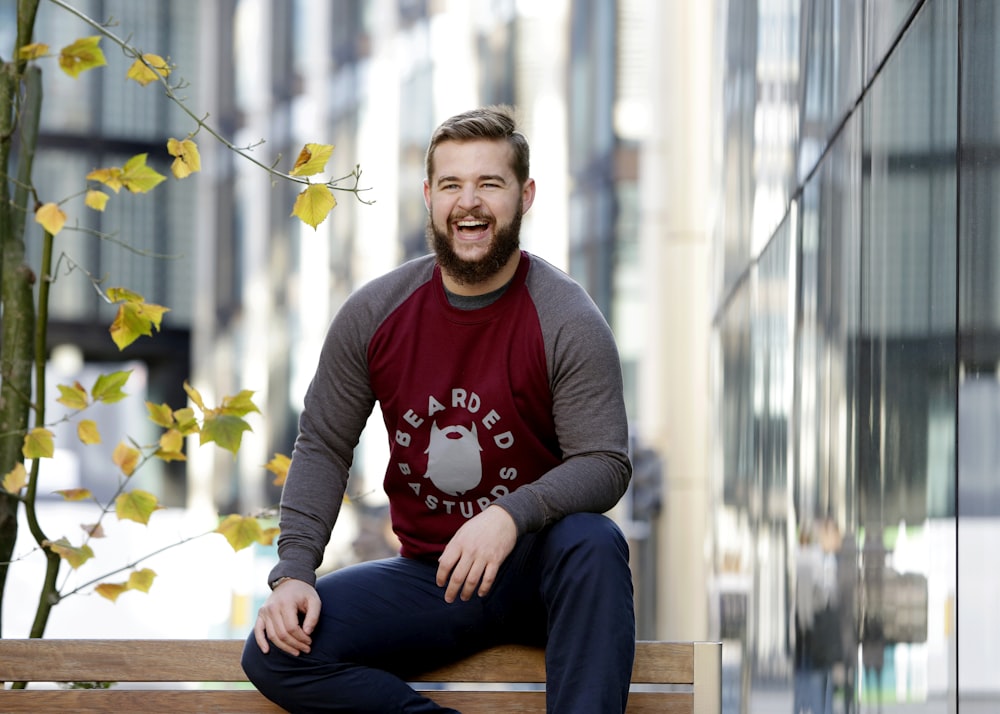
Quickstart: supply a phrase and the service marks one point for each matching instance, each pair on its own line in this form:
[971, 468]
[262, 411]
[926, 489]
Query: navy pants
[567, 586]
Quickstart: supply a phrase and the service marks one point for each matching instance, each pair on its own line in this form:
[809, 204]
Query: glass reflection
[840, 406]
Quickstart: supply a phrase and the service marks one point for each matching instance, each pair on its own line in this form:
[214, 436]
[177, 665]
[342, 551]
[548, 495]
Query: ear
[427, 194]
[528, 194]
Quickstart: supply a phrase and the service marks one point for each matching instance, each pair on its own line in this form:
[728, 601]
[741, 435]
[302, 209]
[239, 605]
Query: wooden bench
[174, 676]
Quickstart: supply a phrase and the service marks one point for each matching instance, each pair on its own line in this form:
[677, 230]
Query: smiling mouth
[471, 226]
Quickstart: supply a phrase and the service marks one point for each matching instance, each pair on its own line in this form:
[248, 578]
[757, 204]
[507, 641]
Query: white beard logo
[453, 463]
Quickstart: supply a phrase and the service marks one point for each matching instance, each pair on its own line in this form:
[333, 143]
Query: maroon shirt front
[470, 418]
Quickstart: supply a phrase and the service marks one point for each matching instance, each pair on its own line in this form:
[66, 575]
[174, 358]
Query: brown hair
[493, 122]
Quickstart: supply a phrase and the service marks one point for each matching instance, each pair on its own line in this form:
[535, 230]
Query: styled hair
[494, 122]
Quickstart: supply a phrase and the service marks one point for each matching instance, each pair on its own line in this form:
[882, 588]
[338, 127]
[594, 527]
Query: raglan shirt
[518, 404]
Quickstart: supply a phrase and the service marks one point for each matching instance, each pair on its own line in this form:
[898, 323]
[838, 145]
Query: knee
[253, 662]
[592, 536]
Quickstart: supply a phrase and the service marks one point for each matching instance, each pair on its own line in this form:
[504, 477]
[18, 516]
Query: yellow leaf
[194, 395]
[124, 295]
[187, 421]
[239, 405]
[88, 432]
[141, 580]
[32, 51]
[279, 467]
[111, 591]
[268, 535]
[240, 531]
[70, 553]
[126, 458]
[314, 204]
[187, 157]
[16, 479]
[97, 200]
[137, 177]
[51, 217]
[171, 446]
[148, 69]
[312, 160]
[172, 440]
[93, 530]
[110, 177]
[38, 443]
[74, 494]
[136, 506]
[74, 397]
[135, 319]
[82, 55]
[160, 414]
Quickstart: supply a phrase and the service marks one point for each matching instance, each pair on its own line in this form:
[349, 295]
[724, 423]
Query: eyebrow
[496, 178]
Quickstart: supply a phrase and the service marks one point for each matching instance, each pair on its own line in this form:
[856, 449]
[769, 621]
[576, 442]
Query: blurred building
[786, 209]
[854, 380]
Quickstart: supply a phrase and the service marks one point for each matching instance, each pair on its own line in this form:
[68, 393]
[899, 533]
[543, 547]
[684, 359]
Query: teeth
[471, 223]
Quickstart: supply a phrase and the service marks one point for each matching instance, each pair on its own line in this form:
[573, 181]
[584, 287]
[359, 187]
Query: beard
[506, 241]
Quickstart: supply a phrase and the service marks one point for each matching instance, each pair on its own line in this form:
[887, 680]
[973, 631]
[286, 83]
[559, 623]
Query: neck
[494, 282]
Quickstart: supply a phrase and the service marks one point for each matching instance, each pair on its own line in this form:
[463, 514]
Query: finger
[260, 634]
[472, 581]
[457, 581]
[311, 617]
[446, 563]
[489, 577]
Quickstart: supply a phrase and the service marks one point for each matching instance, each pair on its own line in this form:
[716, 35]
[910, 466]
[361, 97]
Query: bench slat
[121, 660]
[695, 666]
[219, 661]
[147, 701]
[252, 702]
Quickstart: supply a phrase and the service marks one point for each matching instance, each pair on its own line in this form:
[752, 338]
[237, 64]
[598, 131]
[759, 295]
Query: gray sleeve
[588, 408]
[337, 405]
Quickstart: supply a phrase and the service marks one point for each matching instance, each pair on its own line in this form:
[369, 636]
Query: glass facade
[856, 393]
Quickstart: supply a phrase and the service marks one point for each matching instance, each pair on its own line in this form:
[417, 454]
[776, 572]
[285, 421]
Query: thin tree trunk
[17, 334]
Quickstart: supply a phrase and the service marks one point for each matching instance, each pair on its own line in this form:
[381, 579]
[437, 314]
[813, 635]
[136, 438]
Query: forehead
[475, 157]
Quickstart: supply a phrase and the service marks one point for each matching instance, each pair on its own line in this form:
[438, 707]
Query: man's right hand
[278, 618]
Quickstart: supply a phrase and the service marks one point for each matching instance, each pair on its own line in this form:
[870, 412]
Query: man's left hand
[474, 554]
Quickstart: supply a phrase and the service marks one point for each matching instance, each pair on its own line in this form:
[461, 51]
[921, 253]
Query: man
[500, 387]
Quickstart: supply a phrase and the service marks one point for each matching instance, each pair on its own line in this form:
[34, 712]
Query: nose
[469, 197]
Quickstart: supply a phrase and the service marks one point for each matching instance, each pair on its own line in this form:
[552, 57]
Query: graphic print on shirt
[454, 464]
[455, 453]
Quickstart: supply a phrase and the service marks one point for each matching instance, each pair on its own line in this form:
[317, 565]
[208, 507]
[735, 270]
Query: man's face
[474, 205]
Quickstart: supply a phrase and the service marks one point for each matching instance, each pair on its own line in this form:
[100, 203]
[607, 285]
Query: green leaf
[108, 387]
[82, 55]
[137, 177]
[136, 506]
[141, 580]
[73, 397]
[225, 430]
